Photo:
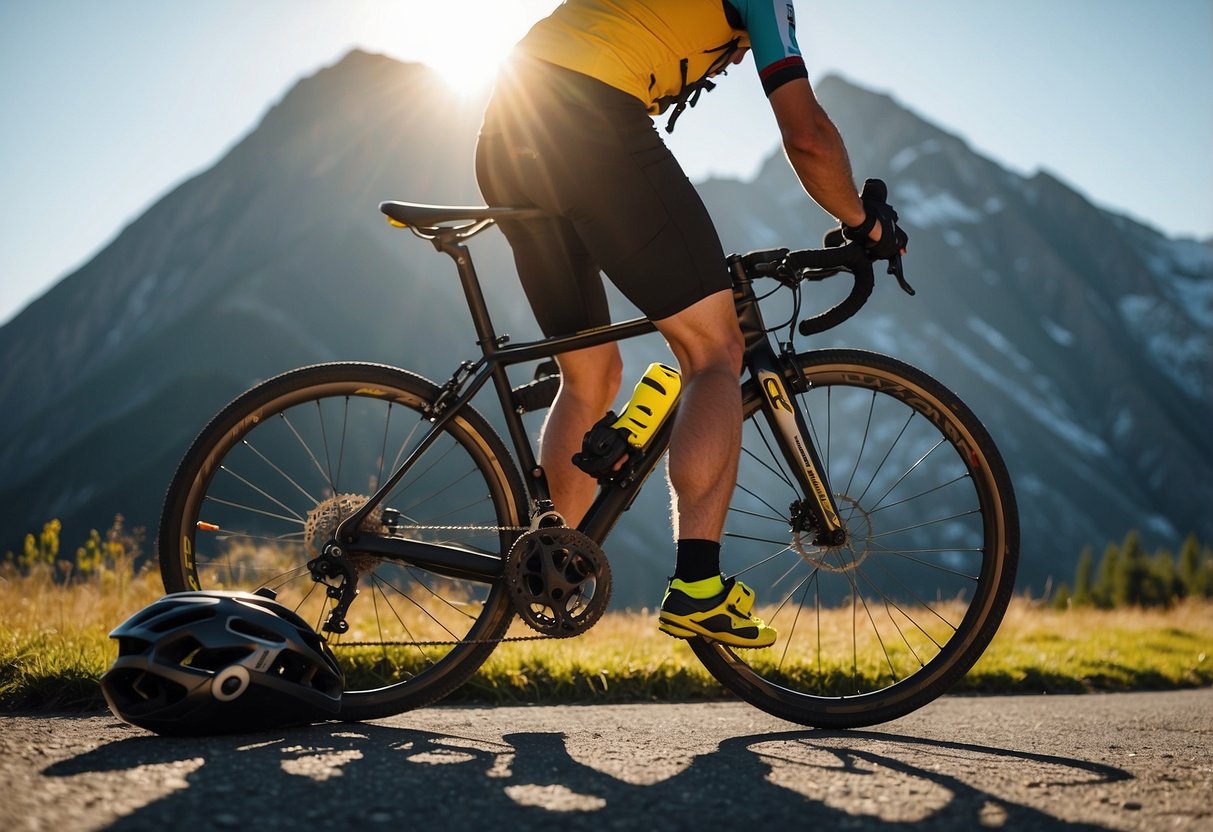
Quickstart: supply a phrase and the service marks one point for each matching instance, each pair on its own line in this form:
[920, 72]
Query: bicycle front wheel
[267, 481]
[877, 627]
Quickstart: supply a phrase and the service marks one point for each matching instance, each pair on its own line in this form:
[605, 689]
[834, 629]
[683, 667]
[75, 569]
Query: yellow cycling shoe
[724, 617]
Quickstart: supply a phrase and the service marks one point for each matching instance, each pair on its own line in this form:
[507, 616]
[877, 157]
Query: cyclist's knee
[705, 336]
[592, 374]
[720, 352]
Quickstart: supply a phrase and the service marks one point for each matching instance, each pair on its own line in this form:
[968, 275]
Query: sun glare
[472, 64]
[465, 43]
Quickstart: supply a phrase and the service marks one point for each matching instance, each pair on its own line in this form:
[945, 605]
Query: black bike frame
[771, 374]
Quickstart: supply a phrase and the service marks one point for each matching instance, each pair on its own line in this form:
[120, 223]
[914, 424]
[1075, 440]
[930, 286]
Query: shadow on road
[376, 776]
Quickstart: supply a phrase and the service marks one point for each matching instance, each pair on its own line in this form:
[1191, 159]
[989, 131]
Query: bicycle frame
[770, 372]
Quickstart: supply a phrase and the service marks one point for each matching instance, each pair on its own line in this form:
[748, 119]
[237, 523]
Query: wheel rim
[271, 491]
[904, 598]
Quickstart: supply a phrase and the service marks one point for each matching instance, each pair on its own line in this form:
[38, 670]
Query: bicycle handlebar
[818, 264]
[792, 267]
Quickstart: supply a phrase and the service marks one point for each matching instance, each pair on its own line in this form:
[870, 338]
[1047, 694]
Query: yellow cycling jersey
[651, 49]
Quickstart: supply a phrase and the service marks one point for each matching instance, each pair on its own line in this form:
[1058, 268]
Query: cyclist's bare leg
[589, 380]
[706, 441]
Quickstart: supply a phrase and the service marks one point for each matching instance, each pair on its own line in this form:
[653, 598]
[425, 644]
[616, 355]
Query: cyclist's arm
[816, 152]
[811, 141]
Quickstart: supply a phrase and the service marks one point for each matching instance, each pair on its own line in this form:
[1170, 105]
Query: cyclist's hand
[880, 234]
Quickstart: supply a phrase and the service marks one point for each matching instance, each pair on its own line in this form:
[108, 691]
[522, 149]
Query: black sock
[697, 559]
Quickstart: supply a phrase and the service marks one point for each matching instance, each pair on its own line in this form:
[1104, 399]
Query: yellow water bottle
[651, 402]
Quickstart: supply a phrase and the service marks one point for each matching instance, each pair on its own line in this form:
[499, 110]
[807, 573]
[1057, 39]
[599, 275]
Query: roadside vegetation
[1137, 620]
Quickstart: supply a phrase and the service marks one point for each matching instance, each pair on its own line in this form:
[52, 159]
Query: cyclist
[568, 130]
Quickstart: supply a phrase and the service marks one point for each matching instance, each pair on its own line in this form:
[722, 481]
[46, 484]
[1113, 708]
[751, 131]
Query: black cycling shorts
[589, 155]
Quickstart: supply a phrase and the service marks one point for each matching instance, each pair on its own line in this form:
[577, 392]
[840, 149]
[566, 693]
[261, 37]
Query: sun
[466, 42]
[472, 65]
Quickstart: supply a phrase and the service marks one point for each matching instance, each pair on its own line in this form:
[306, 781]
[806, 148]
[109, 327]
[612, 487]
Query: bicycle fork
[772, 374]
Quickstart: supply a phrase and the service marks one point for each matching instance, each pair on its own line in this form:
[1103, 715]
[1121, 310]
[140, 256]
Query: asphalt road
[1127, 761]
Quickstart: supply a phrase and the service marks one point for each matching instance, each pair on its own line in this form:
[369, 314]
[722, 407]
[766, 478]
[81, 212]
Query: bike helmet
[220, 662]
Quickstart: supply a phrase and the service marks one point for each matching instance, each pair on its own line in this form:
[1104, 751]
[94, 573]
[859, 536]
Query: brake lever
[898, 272]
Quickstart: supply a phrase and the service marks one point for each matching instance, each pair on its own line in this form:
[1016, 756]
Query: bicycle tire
[929, 567]
[272, 473]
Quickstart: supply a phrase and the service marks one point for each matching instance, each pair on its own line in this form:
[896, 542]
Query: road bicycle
[873, 514]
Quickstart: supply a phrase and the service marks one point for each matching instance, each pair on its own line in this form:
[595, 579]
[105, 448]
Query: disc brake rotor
[848, 556]
[559, 581]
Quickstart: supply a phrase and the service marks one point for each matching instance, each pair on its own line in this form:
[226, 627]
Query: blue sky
[106, 106]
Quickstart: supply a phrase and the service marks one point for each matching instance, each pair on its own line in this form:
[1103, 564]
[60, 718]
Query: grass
[54, 646]
[54, 637]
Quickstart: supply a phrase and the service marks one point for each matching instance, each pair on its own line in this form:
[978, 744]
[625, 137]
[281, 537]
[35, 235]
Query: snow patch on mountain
[1048, 410]
[1058, 333]
[1123, 425]
[907, 156]
[919, 207]
[1185, 269]
[1181, 356]
[1162, 526]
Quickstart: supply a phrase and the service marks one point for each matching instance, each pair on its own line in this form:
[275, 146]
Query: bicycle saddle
[414, 215]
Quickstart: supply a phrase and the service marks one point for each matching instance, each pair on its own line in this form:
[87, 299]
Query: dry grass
[54, 645]
[54, 642]
[1039, 648]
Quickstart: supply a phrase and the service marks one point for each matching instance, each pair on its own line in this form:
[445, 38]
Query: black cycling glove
[878, 210]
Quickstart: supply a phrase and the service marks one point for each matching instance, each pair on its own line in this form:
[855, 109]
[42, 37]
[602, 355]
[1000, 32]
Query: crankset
[559, 581]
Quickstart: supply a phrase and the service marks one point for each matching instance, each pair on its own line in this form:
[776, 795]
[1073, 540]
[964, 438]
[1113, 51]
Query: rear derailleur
[340, 578]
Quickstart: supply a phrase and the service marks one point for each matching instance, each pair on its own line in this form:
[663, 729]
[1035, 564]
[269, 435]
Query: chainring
[559, 581]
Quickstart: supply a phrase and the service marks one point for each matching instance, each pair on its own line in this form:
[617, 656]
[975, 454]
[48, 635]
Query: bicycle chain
[439, 643]
[502, 639]
[463, 528]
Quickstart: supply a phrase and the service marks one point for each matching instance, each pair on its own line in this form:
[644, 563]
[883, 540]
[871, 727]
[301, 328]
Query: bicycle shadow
[376, 776]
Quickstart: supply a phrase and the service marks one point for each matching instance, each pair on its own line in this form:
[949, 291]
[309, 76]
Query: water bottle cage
[602, 448]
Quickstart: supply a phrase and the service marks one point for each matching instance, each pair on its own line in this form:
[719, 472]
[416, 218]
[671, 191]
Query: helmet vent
[130, 646]
[254, 630]
[215, 659]
[182, 618]
[178, 650]
[152, 690]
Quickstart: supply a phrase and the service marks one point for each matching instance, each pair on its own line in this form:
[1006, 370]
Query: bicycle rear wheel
[267, 481]
[878, 627]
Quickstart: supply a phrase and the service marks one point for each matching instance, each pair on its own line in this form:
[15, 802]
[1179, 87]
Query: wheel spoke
[328, 459]
[741, 487]
[867, 429]
[795, 620]
[307, 449]
[296, 520]
[262, 492]
[903, 553]
[885, 458]
[921, 459]
[882, 507]
[926, 523]
[311, 500]
[778, 472]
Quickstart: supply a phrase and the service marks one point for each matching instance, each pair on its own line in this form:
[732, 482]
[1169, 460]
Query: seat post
[490, 345]
[486, 337]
